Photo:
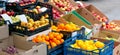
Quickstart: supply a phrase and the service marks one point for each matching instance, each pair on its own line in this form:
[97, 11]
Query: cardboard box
[6, 42]
[28, 47]
[4, 32]
[110, 34]
[88, 16]
[91, 8]
[116, 50]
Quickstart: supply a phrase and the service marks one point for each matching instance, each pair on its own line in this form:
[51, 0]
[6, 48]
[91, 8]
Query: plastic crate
[107, 50]
[2, 3]
[56, 50]
[68, 35]
[48, 11]
[27, 32]
[16, 6]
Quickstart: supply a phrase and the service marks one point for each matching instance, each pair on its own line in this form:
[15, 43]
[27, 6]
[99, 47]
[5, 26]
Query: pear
[35, 11]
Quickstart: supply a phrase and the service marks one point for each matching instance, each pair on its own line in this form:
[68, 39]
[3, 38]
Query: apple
[9, 13]
[3, 11]
[37, 7]
[9, 4]
[12, 13]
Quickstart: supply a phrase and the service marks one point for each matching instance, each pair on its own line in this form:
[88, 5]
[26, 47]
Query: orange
[61, 26]
[58, 37]
[49, 47]
[47, 38]
[57, 42]
[32, 28]
[54, 39]
[61, 40]
[56, 34]
[43, 35]
[53, 44]
[61, 35]
[47, 42]
[51, 36]
[34, 40]
[43, 38]
[68, 27]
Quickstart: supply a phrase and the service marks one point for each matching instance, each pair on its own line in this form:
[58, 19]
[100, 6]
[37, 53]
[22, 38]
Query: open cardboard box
[28, 48]
[111, 33]
[24, 46]
[91, 8]
[87, 15]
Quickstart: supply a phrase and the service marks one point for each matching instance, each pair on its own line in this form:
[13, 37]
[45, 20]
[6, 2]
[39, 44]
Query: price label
[23, 18]
[43, 9]
[74, 33]
[7, 18]
[13, 0]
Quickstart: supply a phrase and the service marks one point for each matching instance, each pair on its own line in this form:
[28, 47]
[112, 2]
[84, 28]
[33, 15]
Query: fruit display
[111, 26]
[98, 17]
[36, 10]
[15, 19]
[32, 25]
[53, 39]
[88, 45]
[64, 5]
[26, 2]
[56, 13]
[65, 27]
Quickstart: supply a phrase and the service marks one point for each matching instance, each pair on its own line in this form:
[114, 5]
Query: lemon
[99, 44]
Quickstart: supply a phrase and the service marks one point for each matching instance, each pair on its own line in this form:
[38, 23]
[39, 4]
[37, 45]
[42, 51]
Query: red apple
[3, 11]
[9, 13]
[12, 13]
[54, 11]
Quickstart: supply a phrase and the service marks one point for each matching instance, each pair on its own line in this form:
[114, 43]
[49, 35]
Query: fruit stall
[56, 27]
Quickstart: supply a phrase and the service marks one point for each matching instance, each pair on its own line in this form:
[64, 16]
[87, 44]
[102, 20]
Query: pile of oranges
[53, 39]
[65, 27]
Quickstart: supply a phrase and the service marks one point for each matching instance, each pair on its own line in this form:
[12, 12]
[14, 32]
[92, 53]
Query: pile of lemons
[88, 45]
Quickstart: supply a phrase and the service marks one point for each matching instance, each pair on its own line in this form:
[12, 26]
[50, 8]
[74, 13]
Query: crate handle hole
[36, 51]
[86, 14]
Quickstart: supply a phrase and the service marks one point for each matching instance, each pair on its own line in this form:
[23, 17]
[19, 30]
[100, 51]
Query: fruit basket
[105, 47]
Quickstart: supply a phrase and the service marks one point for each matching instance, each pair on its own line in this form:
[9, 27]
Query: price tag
[74, 33]
[13, 0]
[23, 18]
[43, 9]
[7, 18]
